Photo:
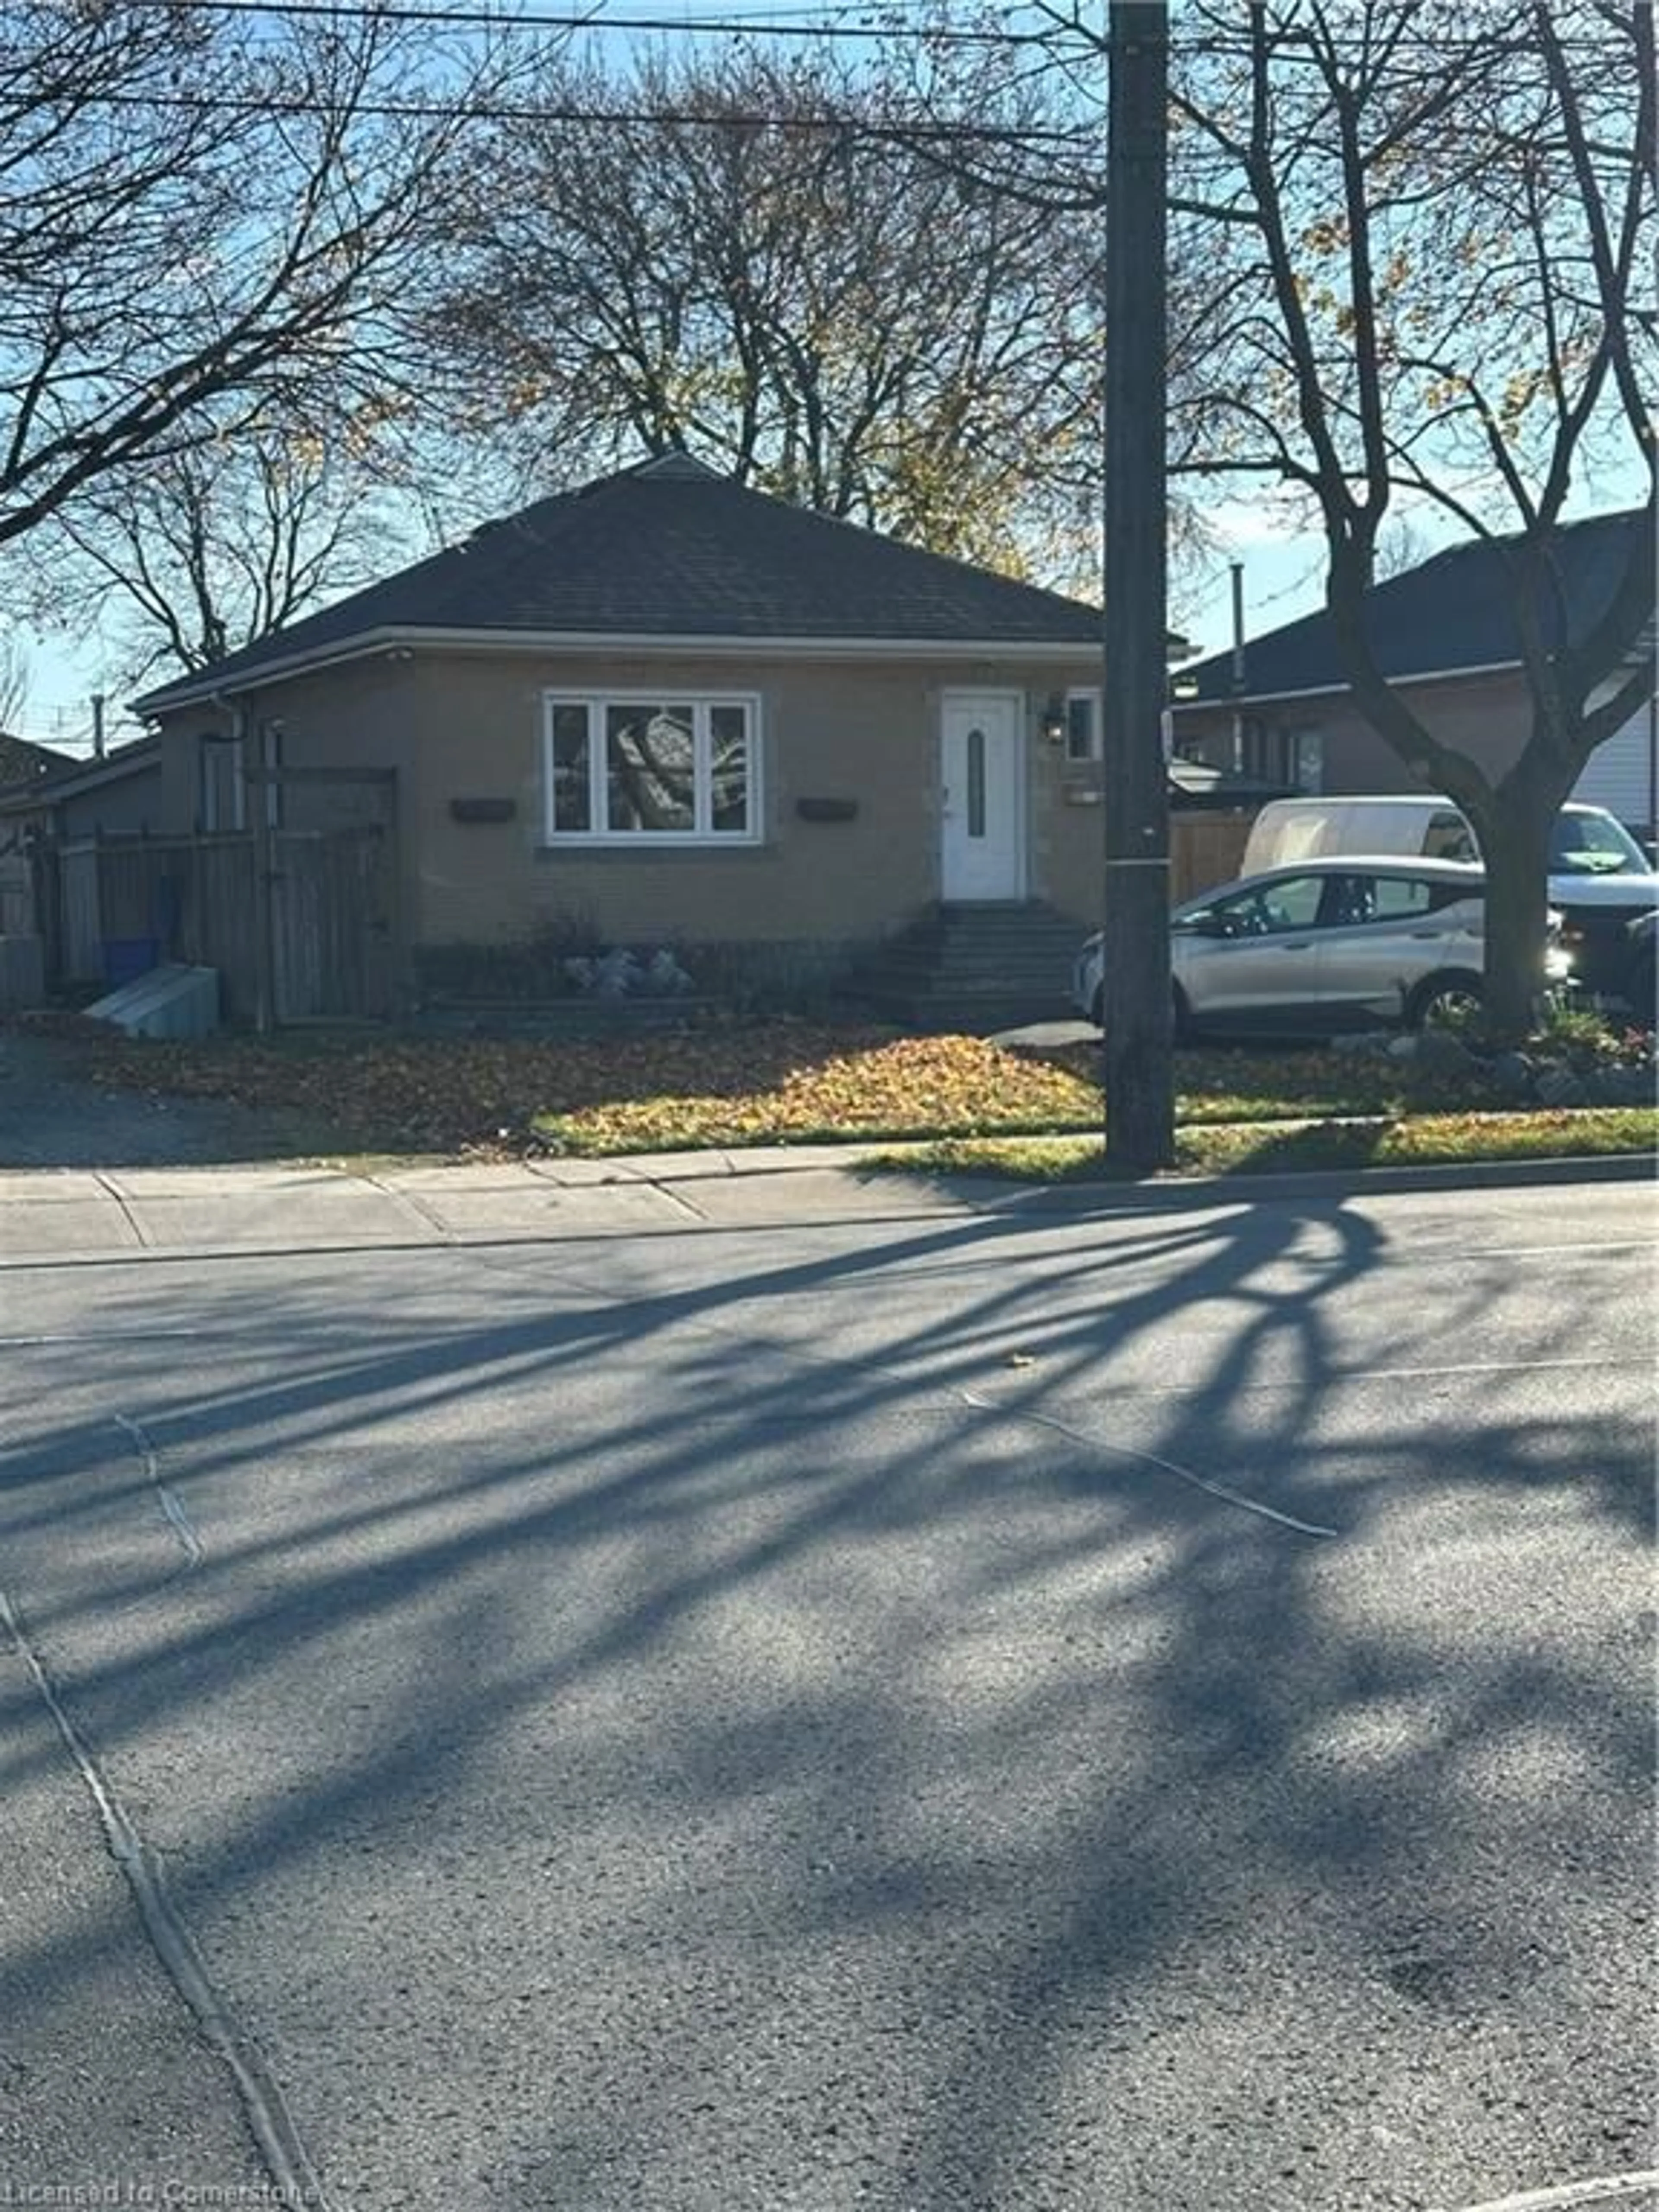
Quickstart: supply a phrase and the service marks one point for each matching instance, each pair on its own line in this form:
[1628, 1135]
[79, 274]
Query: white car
[1599, 876]
[1341, 943]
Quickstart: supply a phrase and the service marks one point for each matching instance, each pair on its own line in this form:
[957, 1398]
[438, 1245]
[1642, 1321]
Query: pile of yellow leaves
[782, 1082]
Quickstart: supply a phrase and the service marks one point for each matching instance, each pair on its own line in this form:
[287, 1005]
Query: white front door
[982, 798]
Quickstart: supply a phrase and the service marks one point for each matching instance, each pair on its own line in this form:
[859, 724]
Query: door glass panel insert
[976, 782]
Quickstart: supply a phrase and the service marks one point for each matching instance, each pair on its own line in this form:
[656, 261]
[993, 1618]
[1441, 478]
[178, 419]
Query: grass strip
[1259, 1148]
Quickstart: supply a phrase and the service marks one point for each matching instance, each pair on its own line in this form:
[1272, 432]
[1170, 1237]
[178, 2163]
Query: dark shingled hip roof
[1456, 612]
[670, 549]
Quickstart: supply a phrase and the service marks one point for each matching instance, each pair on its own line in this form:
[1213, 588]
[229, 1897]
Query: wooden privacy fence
[298, 922]
[1205, 849]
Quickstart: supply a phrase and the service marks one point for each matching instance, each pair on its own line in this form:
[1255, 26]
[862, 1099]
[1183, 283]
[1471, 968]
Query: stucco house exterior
[666, 708]
[1444, 632]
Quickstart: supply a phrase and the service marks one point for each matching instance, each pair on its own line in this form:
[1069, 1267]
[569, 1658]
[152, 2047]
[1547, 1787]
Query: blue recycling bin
[126, 958]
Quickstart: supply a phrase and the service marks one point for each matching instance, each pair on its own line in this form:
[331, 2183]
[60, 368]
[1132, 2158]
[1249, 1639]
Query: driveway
[53, 1114]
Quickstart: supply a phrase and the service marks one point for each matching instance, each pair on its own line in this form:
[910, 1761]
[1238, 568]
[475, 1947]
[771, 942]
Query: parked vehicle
[1599, 876]
[1640, 936]
[1289, 830]
[1327, 946]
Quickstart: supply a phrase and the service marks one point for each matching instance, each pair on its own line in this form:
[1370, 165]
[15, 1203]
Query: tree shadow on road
[881, 1727]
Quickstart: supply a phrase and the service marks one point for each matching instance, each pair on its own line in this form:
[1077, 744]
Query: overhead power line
[439, 110]
[1423, 44]
[731, 25]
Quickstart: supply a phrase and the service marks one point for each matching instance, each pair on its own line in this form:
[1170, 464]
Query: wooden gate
[300, 923]
[331, 925]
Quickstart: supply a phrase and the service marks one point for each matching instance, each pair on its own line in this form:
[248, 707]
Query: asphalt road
[1089, 1711]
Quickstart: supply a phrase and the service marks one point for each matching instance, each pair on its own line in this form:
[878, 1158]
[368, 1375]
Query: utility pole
[1138, 1071]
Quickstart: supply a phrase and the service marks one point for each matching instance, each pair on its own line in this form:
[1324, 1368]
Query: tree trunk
[1514, 827]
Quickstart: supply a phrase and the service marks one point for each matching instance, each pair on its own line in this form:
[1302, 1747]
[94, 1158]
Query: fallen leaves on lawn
[772, 1082]
[900, 1086]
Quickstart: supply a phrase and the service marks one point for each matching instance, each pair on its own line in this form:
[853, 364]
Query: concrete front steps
[975, 969]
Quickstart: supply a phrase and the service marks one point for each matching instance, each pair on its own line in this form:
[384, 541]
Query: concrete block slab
[49, 1187]
[486, 1174]
[821, 1194]
[227, 1185]
[187, 1209]
[587, 1175]
[64, 1225]
[482, 1213]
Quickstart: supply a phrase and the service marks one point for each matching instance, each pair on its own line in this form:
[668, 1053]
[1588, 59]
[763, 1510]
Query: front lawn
[787, 1082]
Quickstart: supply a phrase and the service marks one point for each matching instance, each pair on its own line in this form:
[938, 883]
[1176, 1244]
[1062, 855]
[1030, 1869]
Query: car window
[1269, 910]
[1593, 845]
[1448, 837]
[1397, 897]
[1352, 902]
[1393, 898]
[1359, 899]
[1443, 895]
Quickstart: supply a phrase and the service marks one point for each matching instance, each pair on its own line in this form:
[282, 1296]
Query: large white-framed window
[662, 768]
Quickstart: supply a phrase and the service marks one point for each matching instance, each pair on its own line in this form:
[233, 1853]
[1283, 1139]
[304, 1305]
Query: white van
[1599, 877]
[1291, 829]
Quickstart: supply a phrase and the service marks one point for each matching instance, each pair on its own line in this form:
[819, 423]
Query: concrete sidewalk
[61, 1214]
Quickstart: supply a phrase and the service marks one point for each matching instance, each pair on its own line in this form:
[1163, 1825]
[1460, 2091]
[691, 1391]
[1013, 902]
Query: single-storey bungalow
[666, 709]
[1444, 632]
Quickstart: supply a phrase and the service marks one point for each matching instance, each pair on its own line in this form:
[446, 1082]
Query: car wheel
[1443, 999]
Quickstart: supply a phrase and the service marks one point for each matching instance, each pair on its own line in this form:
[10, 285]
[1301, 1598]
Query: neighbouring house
[22, 764]
[51, 822]
[1444, 634]
[118, 793]
[22, 761]
[666, 710]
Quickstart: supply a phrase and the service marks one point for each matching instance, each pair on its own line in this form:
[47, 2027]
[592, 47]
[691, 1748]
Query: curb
[1331, 1182]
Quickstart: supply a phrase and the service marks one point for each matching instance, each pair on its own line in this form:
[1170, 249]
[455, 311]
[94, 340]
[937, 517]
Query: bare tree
[204, 211]
[768, 263]
[1423, 230]
[181, 560]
